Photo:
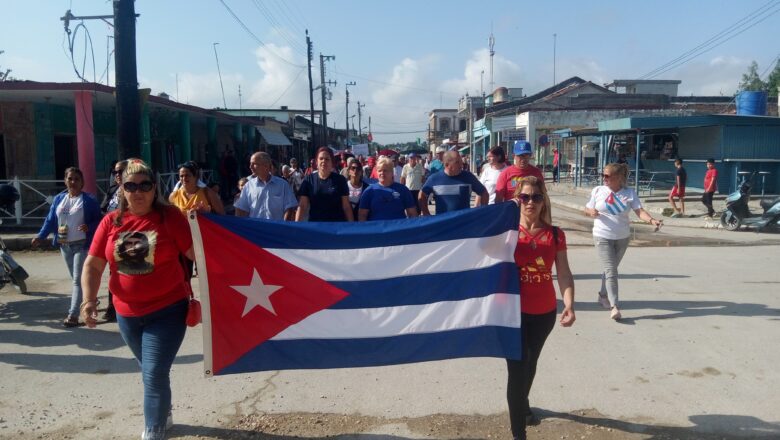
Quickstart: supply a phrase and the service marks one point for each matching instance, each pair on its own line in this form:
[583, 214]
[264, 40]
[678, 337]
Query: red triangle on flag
[241, 276]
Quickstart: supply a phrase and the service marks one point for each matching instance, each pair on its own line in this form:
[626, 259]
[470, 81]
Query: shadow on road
[683, 309]
[92, 364]
[630, 276]
[228, 434]
[706, 427]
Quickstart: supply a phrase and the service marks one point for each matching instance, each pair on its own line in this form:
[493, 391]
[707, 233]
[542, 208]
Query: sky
[406, 57]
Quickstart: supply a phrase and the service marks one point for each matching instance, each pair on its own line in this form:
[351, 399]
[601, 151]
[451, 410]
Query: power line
[255, 37]
[716, 40]
[399, 132]
[288, 88]
[275, 23]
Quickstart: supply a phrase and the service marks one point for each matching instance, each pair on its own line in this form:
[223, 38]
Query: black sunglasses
[525, 198]
[132, 187]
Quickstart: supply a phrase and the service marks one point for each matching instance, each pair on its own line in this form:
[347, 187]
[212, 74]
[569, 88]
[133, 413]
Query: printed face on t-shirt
[134, 252]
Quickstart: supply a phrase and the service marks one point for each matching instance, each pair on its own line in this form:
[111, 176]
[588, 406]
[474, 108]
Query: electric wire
[297, 45]
[300, 71]
[255, 37]
[735, 29]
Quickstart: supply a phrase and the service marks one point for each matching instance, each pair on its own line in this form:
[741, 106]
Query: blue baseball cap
[522, 147]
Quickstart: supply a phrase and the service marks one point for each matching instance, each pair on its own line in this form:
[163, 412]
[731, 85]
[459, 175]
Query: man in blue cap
[512, 175]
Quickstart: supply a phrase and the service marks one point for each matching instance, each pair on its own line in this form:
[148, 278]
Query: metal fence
[36, 196]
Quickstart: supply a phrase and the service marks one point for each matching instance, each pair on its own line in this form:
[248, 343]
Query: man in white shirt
[413, 175]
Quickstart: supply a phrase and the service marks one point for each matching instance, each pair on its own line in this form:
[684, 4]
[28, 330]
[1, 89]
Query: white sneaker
[615, 314]
[169, 421]
[604, 301]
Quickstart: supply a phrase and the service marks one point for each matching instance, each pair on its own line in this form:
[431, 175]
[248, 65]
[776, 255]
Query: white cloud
[277, 77]
[506, 73]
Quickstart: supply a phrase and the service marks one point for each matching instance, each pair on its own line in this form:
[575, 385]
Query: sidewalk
[567, 196]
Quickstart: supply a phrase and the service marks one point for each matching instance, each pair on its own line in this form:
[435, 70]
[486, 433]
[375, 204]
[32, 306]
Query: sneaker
[615, 314]
[71, 321]
[604, 301]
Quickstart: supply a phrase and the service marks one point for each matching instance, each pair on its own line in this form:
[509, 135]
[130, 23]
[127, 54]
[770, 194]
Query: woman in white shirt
[609, 206]
[496, 162]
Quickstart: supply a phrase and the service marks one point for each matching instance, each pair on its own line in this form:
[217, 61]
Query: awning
[464, 150]
[273, 137]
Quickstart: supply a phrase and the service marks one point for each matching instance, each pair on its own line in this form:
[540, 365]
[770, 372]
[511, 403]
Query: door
[64, 154]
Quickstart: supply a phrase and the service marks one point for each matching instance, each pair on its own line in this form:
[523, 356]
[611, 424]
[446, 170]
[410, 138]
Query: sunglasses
[132, 187]
[525, 198]
[606, 176]
[354, 168]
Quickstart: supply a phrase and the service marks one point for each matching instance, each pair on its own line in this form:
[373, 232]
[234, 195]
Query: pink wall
[85, 138]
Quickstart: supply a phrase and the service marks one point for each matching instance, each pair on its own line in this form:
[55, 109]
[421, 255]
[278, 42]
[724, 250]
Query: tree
[773, 82]
[751, 81]
[4, 73]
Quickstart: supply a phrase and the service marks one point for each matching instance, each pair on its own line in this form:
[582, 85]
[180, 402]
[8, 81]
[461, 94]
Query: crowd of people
[143, 237]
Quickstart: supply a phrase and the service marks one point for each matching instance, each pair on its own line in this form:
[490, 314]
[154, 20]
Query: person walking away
[678, 190]
[264, 195]
[710, 186]
[324, 194]
[387, 199]
[141, 242]
[73, 219]
[413, 175]
[296, 176]
[521, 167]
[452, 188]
[496, 162]
[540, 246]
[556, 165]
[609, 206]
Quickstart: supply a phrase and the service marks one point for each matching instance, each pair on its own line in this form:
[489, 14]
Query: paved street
[696, 353]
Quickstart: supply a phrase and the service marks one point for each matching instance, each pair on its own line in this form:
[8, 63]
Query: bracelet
[84, 303]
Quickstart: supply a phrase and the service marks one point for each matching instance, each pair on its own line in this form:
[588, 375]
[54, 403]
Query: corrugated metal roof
[650, 123]
[274, 137]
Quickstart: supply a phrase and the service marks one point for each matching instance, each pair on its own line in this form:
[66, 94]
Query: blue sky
[407, 57]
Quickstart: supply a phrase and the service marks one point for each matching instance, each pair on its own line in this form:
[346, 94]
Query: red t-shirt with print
[535, 256]
[711, 180]
[511, 176]
[143, 259]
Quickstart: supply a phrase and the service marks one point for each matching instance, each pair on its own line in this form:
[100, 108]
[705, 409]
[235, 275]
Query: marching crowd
[144, 240]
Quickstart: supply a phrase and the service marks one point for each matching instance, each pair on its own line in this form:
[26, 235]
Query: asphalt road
[697, 350]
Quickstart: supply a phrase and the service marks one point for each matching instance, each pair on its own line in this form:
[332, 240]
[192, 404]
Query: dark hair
[191, 166]
[711, 160]
[678, 160]
[326, 150]
[499, 153]
[73, 170]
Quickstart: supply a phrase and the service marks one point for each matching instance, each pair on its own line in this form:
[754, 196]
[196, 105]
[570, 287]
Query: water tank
[751, 103]
[500, 95]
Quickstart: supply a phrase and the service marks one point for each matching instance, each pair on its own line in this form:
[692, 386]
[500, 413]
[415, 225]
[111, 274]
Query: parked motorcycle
[10, 270]
[738, 213]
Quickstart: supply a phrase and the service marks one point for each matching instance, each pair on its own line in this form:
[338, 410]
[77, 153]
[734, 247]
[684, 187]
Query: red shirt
[143, 259]
[511, 176]
[711, 180]
[535, 257]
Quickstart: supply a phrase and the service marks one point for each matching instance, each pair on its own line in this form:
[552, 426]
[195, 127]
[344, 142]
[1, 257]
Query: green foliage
[751, 82]
[773, 82]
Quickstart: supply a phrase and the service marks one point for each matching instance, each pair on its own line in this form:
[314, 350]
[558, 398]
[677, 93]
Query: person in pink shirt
[710, 186]
[521, 167]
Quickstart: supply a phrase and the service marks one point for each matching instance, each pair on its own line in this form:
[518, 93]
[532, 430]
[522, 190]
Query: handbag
[194, 316]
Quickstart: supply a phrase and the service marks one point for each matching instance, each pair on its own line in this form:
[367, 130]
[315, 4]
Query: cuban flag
[614, 205]
[284, 295]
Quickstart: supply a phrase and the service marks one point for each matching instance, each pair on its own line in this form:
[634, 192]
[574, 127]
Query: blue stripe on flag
[488, 341]
[429, 288]
[485, 221]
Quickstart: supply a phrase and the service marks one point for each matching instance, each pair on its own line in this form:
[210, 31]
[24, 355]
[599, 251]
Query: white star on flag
[257, 294]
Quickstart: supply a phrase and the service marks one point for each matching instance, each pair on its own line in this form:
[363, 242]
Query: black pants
[706, 198]
[556, 174]
[535, 330]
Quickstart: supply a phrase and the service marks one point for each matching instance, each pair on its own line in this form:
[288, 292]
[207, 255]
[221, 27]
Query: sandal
[71, 321]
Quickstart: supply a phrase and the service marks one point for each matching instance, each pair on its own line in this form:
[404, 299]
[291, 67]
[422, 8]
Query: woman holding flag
[609, 206]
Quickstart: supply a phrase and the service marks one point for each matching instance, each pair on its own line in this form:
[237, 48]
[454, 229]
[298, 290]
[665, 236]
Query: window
[444, 124]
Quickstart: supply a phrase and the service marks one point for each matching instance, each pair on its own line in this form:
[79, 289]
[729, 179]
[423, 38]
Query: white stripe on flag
[499, 309]
[392, 261]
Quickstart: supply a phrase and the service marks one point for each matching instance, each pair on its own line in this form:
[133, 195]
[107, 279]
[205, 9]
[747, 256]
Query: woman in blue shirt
[387, 199]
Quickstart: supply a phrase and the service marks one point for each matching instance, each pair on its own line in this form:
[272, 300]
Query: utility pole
[346, 116]
[325, 95]
[491, 43]
[555, 42]
[239, 98]
[219, 72]
[311, 92]
[360, 122]
[108, 59]
[128, 103]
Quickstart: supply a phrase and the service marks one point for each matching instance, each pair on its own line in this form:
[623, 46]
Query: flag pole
[203, 284]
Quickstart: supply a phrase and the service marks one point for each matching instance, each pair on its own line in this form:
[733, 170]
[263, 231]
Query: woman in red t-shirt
[141, 242]
[539, 247]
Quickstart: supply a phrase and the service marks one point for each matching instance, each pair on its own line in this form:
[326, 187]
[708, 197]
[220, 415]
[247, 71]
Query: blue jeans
[74, 254]
[154, 340]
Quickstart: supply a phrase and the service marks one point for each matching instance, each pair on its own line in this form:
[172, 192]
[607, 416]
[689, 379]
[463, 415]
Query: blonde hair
[546, 213]
[620, 170]
[138, 166]
[385, 162]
